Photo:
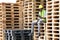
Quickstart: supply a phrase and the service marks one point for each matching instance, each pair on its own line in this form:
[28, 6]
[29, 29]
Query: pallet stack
[1, 23]
[21, 7]
[28, 14]
[53, 20]
[10, 17]
[35, 17]
[31, 10]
